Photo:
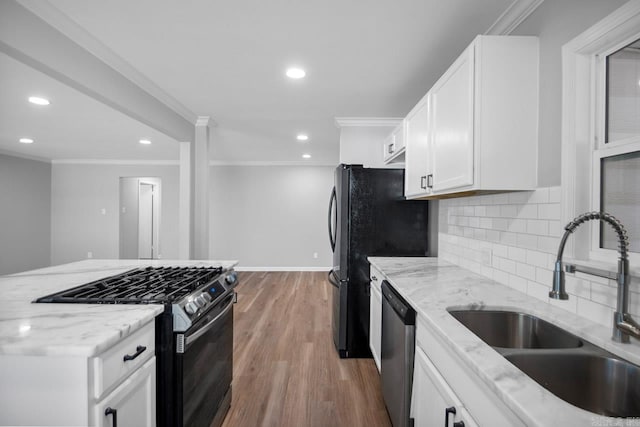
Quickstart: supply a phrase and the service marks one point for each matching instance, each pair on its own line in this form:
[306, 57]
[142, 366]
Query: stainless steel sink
[573, 369]
[597, 383]
[508, 329]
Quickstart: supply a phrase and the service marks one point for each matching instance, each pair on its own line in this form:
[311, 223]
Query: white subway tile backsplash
[518, 225]
[604, 294]
[578, 287]
[539, 259]
[517, 254]
[549, 211]
[513, 239]
[541, 195]
[508, 211]
[528, 212]
[538, 227]
[519, 197]
[527, 241]
[538, 291]
[548, 244]
[555, 194]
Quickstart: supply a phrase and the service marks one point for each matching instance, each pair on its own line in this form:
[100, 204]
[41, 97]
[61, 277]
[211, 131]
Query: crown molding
[115, 162]
[24, 156]
[367, 121]
[513, 16]
[46, 11]
[205, 121]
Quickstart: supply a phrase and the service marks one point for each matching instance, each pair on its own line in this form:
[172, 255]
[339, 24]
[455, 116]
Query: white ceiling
[227, 60]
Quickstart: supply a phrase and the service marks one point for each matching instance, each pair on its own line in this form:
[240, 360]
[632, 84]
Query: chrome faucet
[623, 325]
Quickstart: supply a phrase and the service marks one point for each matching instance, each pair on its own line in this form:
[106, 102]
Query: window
[601, 133]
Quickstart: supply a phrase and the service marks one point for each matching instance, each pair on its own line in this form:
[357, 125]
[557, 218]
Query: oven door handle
[205, 328]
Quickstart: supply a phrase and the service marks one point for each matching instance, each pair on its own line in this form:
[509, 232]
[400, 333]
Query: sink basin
[508, 329]
[596, 383]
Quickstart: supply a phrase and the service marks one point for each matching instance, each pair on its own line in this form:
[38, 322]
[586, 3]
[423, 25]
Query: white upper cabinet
[452, 126]
[481, 123]
[394, 146]
[417, 161]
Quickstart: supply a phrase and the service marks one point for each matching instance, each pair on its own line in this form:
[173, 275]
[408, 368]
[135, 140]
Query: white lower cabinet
[133, 403]
[375, 315]
[444, 388]
[68, 390]
[433, 403]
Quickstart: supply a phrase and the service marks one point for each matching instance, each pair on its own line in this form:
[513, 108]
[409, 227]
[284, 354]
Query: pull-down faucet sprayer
[623, 325]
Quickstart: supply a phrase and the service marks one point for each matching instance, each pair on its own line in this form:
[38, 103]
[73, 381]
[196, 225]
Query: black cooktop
[149, 285]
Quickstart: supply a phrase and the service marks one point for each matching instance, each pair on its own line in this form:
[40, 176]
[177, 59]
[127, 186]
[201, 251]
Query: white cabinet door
[417, 162]
[432, 401]
[133, 403]
[452, 125]
[375, 324]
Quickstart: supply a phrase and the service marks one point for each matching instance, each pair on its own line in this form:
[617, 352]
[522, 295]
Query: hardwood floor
[286, 370]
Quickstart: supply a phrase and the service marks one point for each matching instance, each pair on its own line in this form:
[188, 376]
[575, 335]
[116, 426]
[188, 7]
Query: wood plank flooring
[286, 370]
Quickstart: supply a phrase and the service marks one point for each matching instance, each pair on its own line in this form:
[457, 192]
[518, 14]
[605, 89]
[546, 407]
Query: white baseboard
[282, 268]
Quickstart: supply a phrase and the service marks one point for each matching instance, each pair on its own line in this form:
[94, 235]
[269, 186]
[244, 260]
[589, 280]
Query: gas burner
[150, 285]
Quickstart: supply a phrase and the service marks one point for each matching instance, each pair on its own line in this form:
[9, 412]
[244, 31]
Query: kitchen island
[432, 287]
[67, 357]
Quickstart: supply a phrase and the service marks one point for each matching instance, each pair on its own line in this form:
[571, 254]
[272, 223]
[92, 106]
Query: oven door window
[207, 365]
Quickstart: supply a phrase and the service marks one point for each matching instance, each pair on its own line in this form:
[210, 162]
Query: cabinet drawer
[110, 367]
[132, 403]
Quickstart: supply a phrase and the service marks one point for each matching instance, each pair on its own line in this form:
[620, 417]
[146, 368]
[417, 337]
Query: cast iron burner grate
[150, 285]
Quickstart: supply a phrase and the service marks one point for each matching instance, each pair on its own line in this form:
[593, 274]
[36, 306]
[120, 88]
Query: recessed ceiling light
[296, 73]
[26, 140]
[38, 100]
[145, 141]
[302, 137]
[306, 156]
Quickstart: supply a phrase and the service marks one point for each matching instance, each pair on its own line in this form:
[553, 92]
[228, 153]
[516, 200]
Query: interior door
[145, 221]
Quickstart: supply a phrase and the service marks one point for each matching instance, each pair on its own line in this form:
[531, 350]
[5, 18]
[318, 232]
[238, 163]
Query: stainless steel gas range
[194, 335]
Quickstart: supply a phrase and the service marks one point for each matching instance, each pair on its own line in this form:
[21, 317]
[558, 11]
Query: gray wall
[80, 192]
[25, 216]
[271, 216]
[557, 22]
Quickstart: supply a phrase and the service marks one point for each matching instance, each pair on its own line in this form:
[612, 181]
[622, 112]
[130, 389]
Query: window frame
[584, 125]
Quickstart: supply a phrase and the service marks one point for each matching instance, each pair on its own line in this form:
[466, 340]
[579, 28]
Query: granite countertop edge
[74, 330]
[432, 286]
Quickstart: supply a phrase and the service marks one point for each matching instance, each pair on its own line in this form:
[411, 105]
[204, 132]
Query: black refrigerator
[368, 216]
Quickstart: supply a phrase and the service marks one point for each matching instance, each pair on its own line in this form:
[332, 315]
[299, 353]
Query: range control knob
[198, 302]
[191, 308]
[231, 278]
[206, 297]
[201, 301]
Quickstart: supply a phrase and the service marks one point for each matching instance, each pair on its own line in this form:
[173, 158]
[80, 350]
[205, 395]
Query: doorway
[140, 218]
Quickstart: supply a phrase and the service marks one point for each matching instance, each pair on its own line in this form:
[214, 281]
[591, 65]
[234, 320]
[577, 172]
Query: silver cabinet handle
[423, 182]
[430, 180]
[374, 278]
[391, 148]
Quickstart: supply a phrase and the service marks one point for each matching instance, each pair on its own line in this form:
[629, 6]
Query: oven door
[207, 367]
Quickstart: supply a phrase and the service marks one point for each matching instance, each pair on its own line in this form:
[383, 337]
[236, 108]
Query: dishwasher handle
[402, 308]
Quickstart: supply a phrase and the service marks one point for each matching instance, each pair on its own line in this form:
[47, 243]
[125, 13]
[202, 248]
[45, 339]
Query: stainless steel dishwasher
[397, 354]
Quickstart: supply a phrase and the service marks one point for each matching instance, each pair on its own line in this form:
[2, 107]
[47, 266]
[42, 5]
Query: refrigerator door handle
[332, 233]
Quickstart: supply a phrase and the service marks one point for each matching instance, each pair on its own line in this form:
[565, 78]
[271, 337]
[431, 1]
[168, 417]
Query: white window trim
[582, 128]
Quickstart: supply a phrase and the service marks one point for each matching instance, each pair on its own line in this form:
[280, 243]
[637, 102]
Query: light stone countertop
[42, 329]
[432, 286]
